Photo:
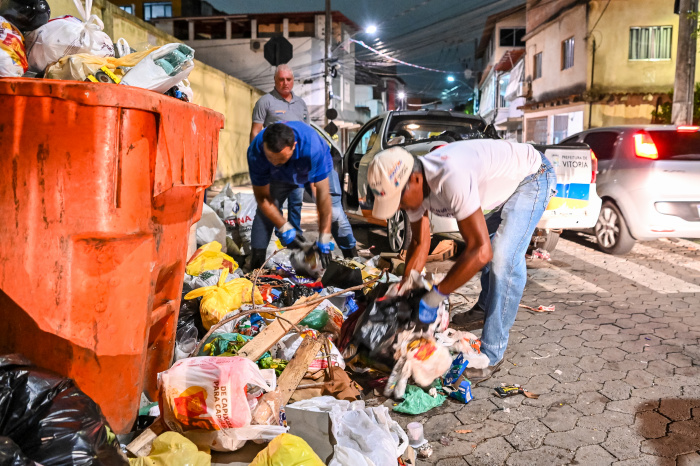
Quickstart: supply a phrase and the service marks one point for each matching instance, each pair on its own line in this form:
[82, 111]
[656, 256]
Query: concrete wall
[540, 11]
[548, 40]
[212, 88]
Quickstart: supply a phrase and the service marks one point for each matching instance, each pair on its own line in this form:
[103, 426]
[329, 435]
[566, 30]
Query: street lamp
[402, 95]
[371, 29]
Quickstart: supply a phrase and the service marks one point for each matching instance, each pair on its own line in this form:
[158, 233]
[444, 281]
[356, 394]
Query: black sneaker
[470, 320]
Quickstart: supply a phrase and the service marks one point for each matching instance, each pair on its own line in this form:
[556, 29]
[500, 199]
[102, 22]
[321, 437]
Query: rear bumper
[657, 225]
[580, 216]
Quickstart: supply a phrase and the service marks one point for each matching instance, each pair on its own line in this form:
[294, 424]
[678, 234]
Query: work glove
[288, 236]
[428, 307]
[324, 248]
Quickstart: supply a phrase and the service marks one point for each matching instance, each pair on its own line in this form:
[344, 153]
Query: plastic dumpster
[100, 186]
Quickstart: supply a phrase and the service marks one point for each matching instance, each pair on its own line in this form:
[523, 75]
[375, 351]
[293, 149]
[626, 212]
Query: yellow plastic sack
[223, 298]
[172, 449]
[210, 257]
[287, 450]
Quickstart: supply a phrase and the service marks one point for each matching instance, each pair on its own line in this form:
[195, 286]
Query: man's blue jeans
[503, 279]
[340, 225]
[280, 192]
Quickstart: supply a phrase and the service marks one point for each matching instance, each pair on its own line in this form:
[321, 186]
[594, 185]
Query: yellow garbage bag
[80, 66]
[219, 300]
[172, 449]
[287, 450]
[210, 257]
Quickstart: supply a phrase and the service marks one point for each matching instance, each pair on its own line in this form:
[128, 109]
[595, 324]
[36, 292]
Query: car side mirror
[396, 140]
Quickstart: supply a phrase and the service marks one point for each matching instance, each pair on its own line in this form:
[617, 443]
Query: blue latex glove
[324, 247]
[287, 234]
[428, 307]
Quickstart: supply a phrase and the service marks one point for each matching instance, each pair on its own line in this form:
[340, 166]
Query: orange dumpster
[100, 185]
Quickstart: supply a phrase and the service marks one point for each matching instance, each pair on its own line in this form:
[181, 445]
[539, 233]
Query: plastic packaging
[211, 228]
[86, 67]
[204, 398]
[50, 420]
[287, 450]
[13, 55]
[425, 359]
[172, 449]
[417, 401]
[237, 210]
[210, 257]
[185, 340]
[67, 35]
[225, 297]
[326, 318]
[415, 434]
[344, 456]
[162, 69]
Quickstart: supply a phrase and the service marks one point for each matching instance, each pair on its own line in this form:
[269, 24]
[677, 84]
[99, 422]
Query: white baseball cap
[387, 175]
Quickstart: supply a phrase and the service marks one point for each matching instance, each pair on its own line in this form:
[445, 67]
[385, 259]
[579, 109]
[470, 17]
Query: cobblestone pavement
[616, 366]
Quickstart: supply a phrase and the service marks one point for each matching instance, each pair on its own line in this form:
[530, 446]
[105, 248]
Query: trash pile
[77, 49]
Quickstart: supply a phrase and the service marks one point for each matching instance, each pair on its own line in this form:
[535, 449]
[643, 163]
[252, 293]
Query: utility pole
[326, 61]
[684, 88]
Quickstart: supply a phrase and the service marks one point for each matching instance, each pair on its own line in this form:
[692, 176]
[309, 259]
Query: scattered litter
[512, 390]
[173, 449]
[416, 401]
[541, 254]
[539, 308]
[643, 362]
[558, 372]
[445, 441]
[425, 451]
[287, 449]
[506, 410]
[463, 431]
[540, 357]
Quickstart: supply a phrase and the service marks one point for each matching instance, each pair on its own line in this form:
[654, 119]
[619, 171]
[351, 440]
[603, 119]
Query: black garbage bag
[341, 276]
[377, 328]
[50, 419]
[11, 454]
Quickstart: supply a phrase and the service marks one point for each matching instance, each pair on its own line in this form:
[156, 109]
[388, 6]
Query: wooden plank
[141, 445]
[297, 367]
[271, 334]
[443, 251]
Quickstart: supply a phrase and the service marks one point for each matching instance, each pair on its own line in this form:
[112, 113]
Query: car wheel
[398, 231]
[611, 231]
[551, 240]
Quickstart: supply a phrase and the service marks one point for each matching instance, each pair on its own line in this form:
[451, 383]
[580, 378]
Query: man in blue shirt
[281, 158]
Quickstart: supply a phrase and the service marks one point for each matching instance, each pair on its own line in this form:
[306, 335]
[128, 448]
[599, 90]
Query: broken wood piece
[141, 445]
[443, 251]
[297, 367]
[271, 334]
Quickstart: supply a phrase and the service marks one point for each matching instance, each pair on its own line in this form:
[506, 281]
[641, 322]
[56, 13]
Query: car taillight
[687, 129]
[644, 146]
[594, 167]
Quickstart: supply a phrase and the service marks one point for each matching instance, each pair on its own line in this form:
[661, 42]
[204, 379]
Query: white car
[576, 204]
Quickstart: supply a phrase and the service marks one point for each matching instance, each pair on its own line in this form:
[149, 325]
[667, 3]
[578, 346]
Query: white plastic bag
[13, 55]
[204, 398]
[237, 210]
[344, 456]
[211, 228]
[68, 35]
[162, 69]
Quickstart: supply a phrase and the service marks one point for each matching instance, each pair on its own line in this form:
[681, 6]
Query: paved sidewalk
[616, 366]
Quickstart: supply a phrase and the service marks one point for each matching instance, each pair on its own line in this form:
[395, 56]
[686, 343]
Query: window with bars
[567, 53]
[157, 10]
[537, 66]
[650, 43]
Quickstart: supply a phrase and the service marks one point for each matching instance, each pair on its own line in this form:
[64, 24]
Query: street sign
[278, 51]
[331, 114]
[331, 129]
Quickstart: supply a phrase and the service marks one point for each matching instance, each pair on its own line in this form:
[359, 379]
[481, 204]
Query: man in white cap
[497, 191]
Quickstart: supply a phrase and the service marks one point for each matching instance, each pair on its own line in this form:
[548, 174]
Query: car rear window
[674, 145]
[421, 128]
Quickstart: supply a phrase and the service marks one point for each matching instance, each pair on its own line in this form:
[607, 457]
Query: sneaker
[476, 376]
[470, 320]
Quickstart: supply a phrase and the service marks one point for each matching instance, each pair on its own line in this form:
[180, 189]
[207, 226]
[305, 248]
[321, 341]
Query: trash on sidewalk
[539, 309]
[173, 449]
[417, 401]
[287, 449]
[504, 391]
[50, 420]
[541, 254]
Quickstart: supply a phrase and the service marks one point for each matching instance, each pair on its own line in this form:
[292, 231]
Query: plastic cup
[415, 434]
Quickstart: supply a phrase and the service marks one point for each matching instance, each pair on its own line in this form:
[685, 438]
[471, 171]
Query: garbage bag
[172, 449]
[25, 15]
[50, 419]
[11, 454]
[344, 456]
[186, 339]
[162, 68]
[204, 398]
[225, 297]
[237, 210]
[13, 55]
[341, 275]
[326, 318]
[417, 401]
[79, 67]
[210, 257]
[211, 228]
[68, 35]
[287, 450]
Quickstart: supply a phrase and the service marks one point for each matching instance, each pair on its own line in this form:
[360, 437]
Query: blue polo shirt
[310, 163]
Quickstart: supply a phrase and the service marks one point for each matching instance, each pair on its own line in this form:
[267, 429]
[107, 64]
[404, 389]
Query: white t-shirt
[477, 174]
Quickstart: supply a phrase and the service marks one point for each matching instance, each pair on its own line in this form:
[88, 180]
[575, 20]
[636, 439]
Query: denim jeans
[340, 225]
[262, 226]
[503, 279]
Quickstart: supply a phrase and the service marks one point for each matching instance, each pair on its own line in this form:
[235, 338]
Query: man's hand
[428, 307]
[324, 248]
[287, 235]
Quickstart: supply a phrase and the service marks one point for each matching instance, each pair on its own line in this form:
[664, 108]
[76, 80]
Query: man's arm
[419, 248]
[254, 130]
[267, 205]
[477, 254]
[324, 206]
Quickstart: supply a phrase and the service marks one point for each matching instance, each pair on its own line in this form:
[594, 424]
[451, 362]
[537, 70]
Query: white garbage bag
[211, 228]
[237, 210]
[162, 69]
[68, 35]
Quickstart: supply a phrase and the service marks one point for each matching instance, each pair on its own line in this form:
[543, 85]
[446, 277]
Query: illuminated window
[650, 43]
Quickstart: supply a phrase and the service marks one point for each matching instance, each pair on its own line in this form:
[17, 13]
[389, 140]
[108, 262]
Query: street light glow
[371, 29]
[402, 95]
[450, 78]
